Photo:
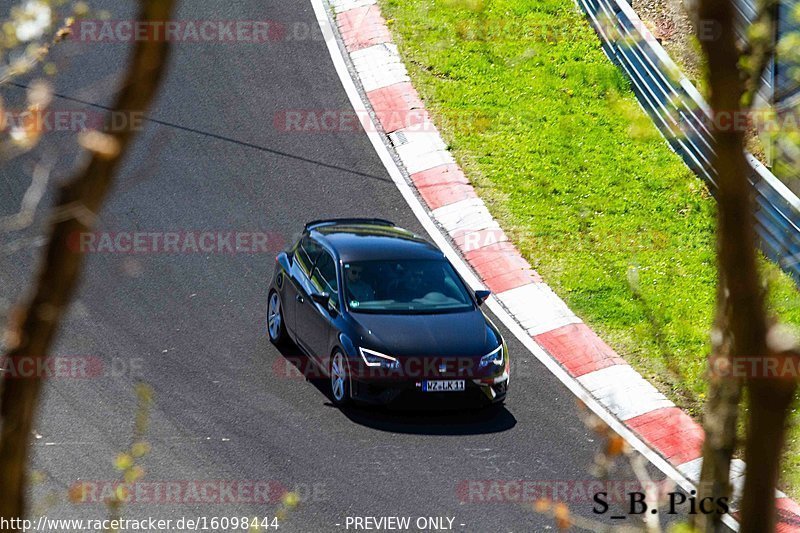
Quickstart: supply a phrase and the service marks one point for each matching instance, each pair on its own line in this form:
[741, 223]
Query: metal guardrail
[683, 117]
[778, 82]
[744, 15]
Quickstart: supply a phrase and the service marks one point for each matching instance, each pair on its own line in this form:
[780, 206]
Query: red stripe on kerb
[788, 516]
[398, 106]
[441, 175]
[437, 196]
[671, 432]
[442, 186]
[501, 267]
[579, 349]
[363, 27]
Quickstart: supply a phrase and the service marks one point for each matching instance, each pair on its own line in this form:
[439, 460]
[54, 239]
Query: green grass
[550, 134]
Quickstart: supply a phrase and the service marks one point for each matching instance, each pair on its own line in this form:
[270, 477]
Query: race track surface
[210, 158]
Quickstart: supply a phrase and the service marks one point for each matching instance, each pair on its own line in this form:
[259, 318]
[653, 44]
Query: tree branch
[760, 49]
[79, 200]
[741, 323]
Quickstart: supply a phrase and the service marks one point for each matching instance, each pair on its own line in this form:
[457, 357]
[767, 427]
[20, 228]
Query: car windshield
[404, 286]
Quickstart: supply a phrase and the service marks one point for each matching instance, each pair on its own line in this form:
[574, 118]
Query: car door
[314, 321]
[303, 259]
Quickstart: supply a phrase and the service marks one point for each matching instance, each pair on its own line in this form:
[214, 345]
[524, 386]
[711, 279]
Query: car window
[307, 252]
[324, 277]
[404, 286]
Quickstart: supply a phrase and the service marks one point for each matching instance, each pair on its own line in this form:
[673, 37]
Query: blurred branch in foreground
[741, 328]
[78, 203]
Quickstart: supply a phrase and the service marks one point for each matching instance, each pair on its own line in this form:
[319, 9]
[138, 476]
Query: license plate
[455, 385]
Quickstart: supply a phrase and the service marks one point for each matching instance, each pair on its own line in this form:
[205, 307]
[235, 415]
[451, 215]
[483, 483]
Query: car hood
[464, 334]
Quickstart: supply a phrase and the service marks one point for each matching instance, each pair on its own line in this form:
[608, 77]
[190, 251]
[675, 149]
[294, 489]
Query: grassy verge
[551, 136]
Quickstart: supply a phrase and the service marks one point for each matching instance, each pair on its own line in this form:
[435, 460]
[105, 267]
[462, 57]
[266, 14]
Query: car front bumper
[477, 391]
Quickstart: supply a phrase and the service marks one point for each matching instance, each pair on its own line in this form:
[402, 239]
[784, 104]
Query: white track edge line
[326, 26]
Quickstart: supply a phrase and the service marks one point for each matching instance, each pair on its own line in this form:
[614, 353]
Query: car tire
[340, 379]
[276, 326]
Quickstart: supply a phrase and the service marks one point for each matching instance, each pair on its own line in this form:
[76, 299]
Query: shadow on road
[416, 418]
[462, 421]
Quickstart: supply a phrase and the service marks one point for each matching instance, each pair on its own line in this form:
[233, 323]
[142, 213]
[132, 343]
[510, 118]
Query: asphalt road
[192, 325]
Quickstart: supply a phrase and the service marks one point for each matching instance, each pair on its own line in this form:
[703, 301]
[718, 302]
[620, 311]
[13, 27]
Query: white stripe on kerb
[420, 150]
[623, 391]
[537, 308]
[346, 5]
[691, 469]
[379, 66]
[428, 161]
[466, 215]
[424, 141]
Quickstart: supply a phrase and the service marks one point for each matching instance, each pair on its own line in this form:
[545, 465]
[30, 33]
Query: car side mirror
[321, 298]
[482, 295]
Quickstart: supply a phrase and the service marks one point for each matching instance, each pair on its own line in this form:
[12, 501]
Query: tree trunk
[741, 315]
[719, 421]
[79, 201]
[770, 402]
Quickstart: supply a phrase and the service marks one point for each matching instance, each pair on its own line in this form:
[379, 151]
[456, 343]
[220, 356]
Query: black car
[383, 314]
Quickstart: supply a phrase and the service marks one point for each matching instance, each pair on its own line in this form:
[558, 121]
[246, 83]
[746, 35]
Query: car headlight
[495, 357]
[373, 358]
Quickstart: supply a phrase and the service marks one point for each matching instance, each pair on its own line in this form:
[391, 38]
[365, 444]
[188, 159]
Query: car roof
[368, 241]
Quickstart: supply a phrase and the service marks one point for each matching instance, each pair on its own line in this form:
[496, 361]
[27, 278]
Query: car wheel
[275, 324]
[340, 379]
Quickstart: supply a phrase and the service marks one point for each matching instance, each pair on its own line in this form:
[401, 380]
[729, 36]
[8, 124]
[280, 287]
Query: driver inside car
[359, 290]
[418, 282]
